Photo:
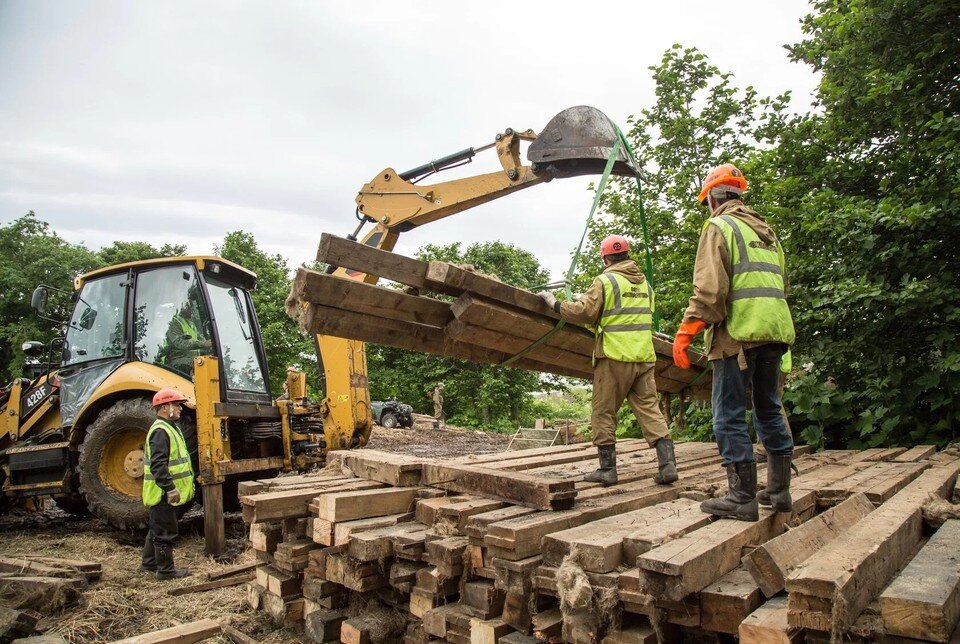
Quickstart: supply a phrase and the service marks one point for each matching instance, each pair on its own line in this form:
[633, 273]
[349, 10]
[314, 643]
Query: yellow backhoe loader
[75, 430]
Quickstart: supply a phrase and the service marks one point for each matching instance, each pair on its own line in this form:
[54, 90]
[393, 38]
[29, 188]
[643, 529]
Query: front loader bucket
[578, 141]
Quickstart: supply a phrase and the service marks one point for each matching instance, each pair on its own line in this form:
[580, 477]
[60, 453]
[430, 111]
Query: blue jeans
[730, 404]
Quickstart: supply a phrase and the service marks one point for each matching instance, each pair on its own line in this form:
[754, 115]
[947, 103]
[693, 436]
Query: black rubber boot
[741, 499]
[165, 568]
[777, 494]
[666, 461]
[148, 561]
[607, 474]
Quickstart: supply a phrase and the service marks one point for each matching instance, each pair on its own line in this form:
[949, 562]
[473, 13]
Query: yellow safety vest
[758, 305]
[181, 470]
[626, 323]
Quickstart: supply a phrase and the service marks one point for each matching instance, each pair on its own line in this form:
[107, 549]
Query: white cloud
[181, 121]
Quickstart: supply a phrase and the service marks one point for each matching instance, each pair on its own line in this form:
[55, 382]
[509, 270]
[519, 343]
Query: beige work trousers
[614, 382]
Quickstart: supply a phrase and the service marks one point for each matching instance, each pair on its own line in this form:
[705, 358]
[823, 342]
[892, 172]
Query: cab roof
[211, 264]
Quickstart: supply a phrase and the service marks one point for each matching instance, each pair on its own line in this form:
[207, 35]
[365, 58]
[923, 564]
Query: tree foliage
[31, 253]
[285, 346]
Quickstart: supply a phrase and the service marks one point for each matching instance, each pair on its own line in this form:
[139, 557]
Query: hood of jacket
[629, 269]
[750, 217]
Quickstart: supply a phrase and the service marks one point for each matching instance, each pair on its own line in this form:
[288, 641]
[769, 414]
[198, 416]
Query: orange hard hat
[168, 395]
[614, 244]
[723, 175]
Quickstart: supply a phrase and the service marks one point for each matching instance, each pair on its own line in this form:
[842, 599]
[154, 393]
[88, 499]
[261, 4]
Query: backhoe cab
[76, 430]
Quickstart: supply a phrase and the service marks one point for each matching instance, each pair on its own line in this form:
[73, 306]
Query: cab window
[96, 327]
[241, 364]
[171, 323]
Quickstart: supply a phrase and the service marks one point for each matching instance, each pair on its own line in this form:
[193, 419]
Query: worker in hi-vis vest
[619, 306]
[739, 298]
[167, 484]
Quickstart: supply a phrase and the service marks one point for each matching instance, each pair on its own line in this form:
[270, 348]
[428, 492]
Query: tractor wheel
[389, 420]
[111, 463]
[73, 504]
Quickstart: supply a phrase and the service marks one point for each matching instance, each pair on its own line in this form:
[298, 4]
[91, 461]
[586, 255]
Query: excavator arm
[576, 142]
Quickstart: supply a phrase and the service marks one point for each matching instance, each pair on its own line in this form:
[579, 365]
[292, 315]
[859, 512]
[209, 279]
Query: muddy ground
[125, 602]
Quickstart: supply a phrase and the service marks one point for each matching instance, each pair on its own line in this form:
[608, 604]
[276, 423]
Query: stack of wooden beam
[466, 556]
[487, 321]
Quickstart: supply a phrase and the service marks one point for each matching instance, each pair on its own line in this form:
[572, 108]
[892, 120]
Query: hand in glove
[685, 335]
[173, 496]
[549, 298]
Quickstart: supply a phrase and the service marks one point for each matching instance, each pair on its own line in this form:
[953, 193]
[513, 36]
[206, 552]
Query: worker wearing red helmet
[168, 482]
[619, 306]
[739, 298]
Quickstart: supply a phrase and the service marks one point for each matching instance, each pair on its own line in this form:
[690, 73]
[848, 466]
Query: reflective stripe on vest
[626, 324]
[758, 305]
[179, 466]
[186, 327]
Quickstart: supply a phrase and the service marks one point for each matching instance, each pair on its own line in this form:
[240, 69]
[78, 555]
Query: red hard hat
[613, 244]
[723, 175]
[168, 395]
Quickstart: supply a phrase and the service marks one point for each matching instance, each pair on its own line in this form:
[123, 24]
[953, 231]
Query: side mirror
[87, 318]
[39, 300]
[33, 348]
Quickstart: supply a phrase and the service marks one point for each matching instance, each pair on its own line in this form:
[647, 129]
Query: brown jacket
[711, 279]
[586, 311]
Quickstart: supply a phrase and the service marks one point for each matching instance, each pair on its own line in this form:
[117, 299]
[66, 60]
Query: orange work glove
[685, 335]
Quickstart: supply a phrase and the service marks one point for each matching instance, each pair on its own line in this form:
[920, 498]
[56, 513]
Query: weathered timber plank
[916, 453]
[768, 625]
[212, 585]
[599, 544]
[879, 482]
[399, 470]
[514, 487]
[351, 255]
[688, 564]
[272, 506]
[773, 561]
[727, 601]
[182, 634]
[520, 536]
[923, 601]
[354, 295]
[315, 318]
[344, 530]
[362, 504]
[856, 566]
[460, 331]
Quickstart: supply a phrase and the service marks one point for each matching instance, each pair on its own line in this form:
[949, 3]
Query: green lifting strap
[614, 152]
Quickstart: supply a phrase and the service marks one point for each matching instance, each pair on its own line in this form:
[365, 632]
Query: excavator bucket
[578, 141]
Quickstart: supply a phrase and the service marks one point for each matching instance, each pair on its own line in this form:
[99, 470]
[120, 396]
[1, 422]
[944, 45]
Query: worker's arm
[587, 309]
[160, 459]
[711, 279]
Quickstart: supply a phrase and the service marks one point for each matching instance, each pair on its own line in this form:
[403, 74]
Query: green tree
[32, 254]
[284, 344]
[700, 119]
[869, 185]
[476, 395]
[121, 252]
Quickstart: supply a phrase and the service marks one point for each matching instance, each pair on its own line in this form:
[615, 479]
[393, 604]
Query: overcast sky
[181, 121]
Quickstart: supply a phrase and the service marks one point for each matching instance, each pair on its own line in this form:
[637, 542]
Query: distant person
[739, 297]
[167, 484]
[438, 416]
[619, 305]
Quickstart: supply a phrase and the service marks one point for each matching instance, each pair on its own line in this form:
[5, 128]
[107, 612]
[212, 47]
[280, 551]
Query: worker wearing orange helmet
[168, 483]
[739, 298]
[619, 306]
